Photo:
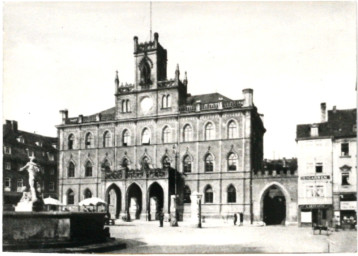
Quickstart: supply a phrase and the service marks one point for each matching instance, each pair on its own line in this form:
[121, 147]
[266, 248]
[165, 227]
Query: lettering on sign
[349, 205]
[314, 177]
[315, 206]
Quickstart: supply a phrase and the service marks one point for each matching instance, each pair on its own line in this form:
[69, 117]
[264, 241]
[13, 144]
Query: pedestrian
[235, 218]
[161, 218]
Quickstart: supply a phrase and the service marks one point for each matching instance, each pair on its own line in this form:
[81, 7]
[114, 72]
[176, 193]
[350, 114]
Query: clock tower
[152, 94]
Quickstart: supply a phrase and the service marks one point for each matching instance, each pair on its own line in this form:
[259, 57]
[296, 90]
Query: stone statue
[35, 203]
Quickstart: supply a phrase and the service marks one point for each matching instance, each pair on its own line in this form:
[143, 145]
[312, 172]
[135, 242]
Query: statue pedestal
[173, 211]
[196, 209]
[153, 208]
[27, 205]
[133, 208]
[23, 207]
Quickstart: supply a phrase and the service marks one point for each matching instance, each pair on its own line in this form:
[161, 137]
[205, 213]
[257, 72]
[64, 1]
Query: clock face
[146, 104]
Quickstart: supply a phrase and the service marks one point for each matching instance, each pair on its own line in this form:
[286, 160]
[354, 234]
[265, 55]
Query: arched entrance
[274, 206]
[113, 198]
[134, 201]
[156, 197]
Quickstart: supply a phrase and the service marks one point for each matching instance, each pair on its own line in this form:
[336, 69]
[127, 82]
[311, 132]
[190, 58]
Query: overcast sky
[294, 55]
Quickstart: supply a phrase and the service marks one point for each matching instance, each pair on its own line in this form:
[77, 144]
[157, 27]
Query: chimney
[334, 109]
[248, 97]
[323, 112]
[135, 39]
[14, 125]
[64, 115]
[156, 39]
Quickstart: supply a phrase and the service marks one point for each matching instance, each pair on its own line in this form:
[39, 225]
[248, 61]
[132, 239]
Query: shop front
[348, 211]
[316, 215]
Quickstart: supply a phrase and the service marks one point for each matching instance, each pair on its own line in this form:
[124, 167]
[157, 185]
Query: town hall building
[159, 141]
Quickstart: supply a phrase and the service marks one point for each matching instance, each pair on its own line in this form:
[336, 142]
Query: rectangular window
[51, 186]
[345, 149]
[309, 191]
[7, 184]
[345, 179]
[319, 191]
[7, 165]
[50, 156]
[314, 131]
[20, 184]
[319, 168]
[7, 150]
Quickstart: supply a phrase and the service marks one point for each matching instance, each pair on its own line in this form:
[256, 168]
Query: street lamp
[174, 198]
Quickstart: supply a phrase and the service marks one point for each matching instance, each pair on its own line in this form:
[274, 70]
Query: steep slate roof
[18, 149]
[340, 124]
[206, 98]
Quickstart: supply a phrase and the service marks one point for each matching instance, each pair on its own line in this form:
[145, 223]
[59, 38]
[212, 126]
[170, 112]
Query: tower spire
[150, 28]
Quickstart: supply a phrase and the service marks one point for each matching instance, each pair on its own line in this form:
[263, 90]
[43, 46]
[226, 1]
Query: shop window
[187, 164]
[345, 149]
[319, 168]
[345, 179]
[208, 195]
[187, 193]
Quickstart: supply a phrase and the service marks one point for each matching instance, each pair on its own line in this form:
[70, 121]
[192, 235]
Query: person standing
[235, 218]
[161, 218]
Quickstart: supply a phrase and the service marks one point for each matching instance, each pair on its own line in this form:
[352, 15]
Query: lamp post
[174, 198]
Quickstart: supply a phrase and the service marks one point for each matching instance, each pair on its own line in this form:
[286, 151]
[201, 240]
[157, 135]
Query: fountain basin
[51, 229]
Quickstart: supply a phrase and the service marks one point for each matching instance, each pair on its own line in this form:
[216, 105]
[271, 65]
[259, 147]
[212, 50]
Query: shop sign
[315, 206]
[348, 205]
[315, 177]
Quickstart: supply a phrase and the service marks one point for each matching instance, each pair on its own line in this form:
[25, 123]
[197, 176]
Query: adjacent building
[327, 168]
[157, 141]
[18, 147]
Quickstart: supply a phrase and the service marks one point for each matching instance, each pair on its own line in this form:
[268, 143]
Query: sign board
[306, 217]
[315, 177]
[348, 205]
[315, 206]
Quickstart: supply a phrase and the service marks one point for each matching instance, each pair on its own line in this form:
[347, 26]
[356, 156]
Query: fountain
[30, 226]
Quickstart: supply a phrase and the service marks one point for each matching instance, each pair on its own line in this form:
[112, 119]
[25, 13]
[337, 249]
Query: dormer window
[21, 139]
[314, 131]
[7, 150]
[39, 143]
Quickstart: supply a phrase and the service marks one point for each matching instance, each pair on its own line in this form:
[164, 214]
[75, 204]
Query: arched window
[106, 166]
[188, 131]
[208, 195]
[168, 101]
[71, 141]
[166, 135]
[232, 162]
[231, 194]
[232, 130]
[166, 162]
[70, 197]
[124, 106]
[71, 170]
[106, 139]
[88, 172]
[209, 163]
[187, 163]
[209, 131]
[126, 138]
[88, 193]
[89, 140]
[128, 106]
[144, 72]
[145, 137]
[187, 193]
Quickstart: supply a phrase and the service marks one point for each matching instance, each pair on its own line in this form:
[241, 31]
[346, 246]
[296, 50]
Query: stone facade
[159, 140]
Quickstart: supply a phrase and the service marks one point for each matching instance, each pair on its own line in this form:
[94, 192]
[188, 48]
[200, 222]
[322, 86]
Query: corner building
[158, 141]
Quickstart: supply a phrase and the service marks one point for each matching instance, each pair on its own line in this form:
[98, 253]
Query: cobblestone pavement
[147, 237]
